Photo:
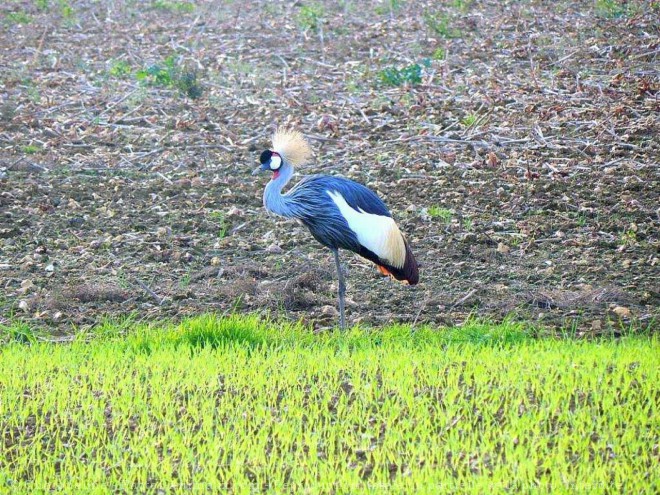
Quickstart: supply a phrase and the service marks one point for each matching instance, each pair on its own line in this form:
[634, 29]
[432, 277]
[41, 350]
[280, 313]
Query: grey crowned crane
[340, 213]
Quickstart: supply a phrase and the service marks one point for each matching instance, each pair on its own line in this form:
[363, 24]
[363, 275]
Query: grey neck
[274, 200]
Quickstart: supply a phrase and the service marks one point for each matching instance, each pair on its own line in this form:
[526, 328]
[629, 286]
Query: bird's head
[290, 149]
[270, 160]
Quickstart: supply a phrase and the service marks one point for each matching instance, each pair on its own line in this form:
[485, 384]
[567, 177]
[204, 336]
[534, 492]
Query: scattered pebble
[329, 311]
[235, 212]
[621, 311]
[503, 248]
[274, 248]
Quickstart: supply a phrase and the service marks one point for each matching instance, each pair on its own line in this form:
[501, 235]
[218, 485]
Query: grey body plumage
[309, 202]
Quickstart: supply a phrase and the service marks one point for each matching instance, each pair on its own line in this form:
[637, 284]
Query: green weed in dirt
[238, 405]
[442, 214]
[65, 8]
[173, 6]
[119, 68]
[169, 75]
[62, 7]
[440, 25]
[30, 149]
[610, 8]
[159, 74]
[310, 17]
[411, 74]
[390, 7]
[18, 17]
[462, 5]
[221, 219]
[440, 54]
[469, 120]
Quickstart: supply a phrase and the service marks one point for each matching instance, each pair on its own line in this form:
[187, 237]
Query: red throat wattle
[276, 174]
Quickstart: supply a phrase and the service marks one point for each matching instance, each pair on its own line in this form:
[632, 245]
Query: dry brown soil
[522, 165]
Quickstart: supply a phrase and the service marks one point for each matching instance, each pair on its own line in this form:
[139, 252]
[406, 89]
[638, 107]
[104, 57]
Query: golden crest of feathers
[292, 146]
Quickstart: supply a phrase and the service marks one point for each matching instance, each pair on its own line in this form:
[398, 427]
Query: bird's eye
[275, 162]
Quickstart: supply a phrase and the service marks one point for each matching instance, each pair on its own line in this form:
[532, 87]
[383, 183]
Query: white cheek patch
[275, 162]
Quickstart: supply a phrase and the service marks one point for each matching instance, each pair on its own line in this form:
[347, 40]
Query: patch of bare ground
[515, 142]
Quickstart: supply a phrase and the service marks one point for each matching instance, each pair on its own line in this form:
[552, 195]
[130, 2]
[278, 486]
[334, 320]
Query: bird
[339, 213]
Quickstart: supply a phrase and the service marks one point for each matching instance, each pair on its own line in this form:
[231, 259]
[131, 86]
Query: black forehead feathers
[265, 156]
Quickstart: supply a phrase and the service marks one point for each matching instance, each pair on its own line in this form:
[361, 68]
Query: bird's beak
[261, 168]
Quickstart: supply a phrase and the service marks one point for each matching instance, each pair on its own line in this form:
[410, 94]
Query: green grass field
[235, 405]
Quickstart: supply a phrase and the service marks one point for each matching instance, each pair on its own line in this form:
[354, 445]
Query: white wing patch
[379, 234]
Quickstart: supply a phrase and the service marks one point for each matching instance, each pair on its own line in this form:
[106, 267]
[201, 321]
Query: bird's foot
[383, 271]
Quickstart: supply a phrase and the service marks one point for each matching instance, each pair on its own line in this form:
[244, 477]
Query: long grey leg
[342, 290]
